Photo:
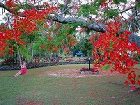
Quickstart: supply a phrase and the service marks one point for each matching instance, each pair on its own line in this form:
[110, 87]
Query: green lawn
[34, 89]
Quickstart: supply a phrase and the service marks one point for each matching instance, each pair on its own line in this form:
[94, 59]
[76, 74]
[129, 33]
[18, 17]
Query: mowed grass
[34, 89]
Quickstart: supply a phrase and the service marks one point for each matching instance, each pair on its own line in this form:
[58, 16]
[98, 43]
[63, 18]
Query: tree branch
[5, 7]
[59, 18]
[131, 7]
[65, 8]
[135, 38]
[127, 9]
[80, 21]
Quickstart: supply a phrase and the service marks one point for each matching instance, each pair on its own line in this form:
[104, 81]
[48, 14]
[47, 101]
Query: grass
[33, 89]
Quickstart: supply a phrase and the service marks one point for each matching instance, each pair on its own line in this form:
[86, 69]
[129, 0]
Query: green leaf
[111, 13]
[119, 1]
[106, 67]
[24, 52]
[36, 46]
[87, 9]
[138, 5]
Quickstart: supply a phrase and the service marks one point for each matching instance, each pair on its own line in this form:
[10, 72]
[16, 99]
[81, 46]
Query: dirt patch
[25, 101]
[74, 73]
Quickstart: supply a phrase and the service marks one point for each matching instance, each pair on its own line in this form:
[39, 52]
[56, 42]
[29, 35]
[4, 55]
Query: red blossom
[112, 47]
[22, 26]
[10, 3]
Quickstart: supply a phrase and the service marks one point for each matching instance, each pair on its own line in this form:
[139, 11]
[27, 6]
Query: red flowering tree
[22, 27]
[32, 27]
[113, 48]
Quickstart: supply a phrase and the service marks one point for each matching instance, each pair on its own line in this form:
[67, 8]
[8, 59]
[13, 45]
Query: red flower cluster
[10, 3]
[114, 48]
[38, 15]
[26, 24]
[2, 43]
[9, 35]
